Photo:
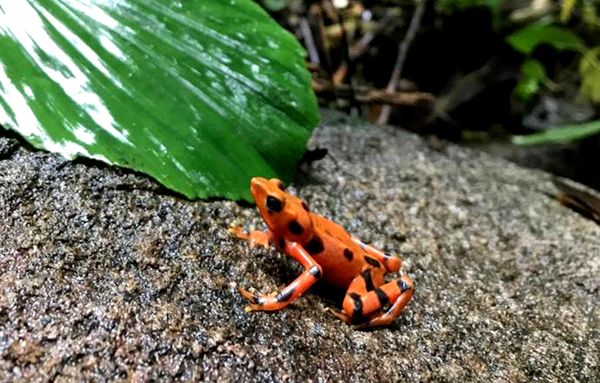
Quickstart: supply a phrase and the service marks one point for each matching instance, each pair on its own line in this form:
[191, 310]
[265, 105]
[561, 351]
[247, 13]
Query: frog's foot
[256, 300]
[398, 293]
[339, 315]
[366, 300]
[256, 238]
[238, 232]
[267, 302]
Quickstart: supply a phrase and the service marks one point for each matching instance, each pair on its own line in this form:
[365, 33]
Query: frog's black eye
[273, 204]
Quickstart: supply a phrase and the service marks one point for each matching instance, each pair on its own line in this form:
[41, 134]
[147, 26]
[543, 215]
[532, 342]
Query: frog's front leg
[279, 300]
[256, 238]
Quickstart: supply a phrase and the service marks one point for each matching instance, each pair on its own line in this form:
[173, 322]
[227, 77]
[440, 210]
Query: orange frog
[327, 252]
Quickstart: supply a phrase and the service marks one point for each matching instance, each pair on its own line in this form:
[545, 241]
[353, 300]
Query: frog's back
[341, 258]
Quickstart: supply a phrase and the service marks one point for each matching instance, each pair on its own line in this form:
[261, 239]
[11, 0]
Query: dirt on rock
[104, 275]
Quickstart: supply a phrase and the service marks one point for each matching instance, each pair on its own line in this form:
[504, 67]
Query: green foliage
[275, 5]
[449, 6]
[532, 75]
[201, 94]
[566, 10]
[591, 19]
[560, 135]
[526, 39]
[589, 70]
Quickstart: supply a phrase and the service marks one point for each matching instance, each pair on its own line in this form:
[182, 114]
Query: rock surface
[104, 275]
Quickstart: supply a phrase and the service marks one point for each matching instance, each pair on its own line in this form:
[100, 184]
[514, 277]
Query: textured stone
[105, 275]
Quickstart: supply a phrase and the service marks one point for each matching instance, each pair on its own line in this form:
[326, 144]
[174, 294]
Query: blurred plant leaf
[560, 135]
[589, 70]
[199, 94]
[494, 6]
[532, 74]
[590, 17]
[525, 40]
[275, 5]
[451, 5]
[566, 10]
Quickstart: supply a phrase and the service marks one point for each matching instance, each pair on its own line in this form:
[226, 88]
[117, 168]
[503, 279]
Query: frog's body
[327, 252]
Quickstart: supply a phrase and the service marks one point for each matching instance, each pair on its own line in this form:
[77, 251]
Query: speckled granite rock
[104, 275]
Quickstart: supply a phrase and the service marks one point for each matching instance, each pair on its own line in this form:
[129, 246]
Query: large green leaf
[200, 94]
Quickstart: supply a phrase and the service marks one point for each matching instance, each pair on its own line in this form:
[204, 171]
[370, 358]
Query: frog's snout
[258, 185]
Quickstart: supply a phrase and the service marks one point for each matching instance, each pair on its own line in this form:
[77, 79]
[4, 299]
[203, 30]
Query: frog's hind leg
[368, 295]
[391, 262]
[361, 285]
[397, 293]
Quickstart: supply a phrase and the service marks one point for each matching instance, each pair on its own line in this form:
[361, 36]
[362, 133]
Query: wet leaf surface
[201, 95]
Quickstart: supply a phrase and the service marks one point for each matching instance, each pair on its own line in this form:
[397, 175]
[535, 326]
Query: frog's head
[285, 215]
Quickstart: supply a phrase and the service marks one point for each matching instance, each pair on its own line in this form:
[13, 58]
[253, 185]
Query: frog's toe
[339, 315]
[254, 298]
[251, 308]
[237, 231]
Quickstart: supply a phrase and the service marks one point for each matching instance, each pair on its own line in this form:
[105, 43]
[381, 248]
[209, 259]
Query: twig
[309, 41]
[366, 95]
[345, 47]
[315, 21]
[415, 23]
[360, 47]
